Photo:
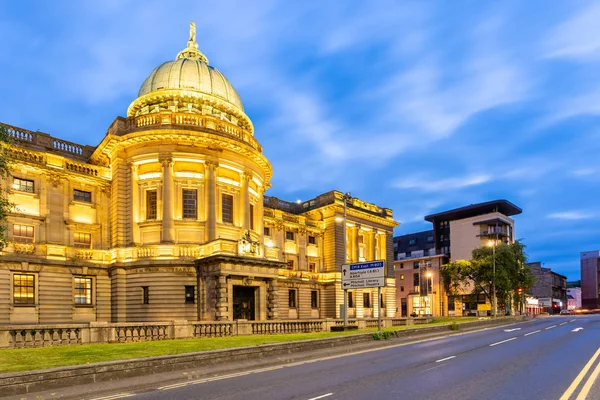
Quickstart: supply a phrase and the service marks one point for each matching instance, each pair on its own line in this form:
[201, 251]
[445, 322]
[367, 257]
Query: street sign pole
[379, 313]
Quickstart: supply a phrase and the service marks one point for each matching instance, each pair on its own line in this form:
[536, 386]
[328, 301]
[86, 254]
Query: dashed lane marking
[531, 333]
[550, 327]
[445, 359]
[503, 341]
[322, 396]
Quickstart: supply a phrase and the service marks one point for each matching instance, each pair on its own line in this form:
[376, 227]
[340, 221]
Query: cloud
[426, 185]
[570, 215]
[584, 172]
[577, 38]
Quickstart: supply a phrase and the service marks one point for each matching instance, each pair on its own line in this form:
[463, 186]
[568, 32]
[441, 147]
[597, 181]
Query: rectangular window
[292, 298]
[402, 277]
[429, 239]
[227, 208]
[312, 240]
[83, 291]
[190, 203]
[23, 233]
[23, 185]
[23, 289]
[267, 231]
[350, 300]
[80, 195]
[190, 294]
[289, 235]
[361, 239]
[312, 267]
[82, 240]
[416, 265]
[145, 295]
[381, 302]
[416, 281]
[367, 300]
[251, 217]
[290, 264]
[151, 201]
[401, 265]
[412, 242]
[402, 288]
[408, 253]
[314, 299]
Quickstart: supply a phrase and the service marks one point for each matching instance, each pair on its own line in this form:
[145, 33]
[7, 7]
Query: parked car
[566, 312]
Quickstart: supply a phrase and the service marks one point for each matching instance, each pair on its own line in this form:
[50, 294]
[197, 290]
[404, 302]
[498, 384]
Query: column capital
[165, 160]
[246, 176]
[209, 164]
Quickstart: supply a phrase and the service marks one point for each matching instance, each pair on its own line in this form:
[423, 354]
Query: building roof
[502, 206]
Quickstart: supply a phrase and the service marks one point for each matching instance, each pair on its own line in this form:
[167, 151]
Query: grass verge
[14, 360]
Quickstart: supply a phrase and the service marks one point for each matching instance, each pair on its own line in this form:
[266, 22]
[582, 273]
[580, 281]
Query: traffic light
[520, 290]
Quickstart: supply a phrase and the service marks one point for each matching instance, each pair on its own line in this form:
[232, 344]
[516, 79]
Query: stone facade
[166, 219]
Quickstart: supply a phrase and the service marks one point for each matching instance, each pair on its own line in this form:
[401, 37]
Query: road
[547, 358]
[539, 359]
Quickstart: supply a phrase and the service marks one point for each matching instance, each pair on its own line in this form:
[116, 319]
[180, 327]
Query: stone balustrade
[22, 336]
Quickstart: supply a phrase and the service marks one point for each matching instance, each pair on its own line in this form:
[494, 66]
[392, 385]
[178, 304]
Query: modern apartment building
[549, 287]
[590, 279]
[455, 234]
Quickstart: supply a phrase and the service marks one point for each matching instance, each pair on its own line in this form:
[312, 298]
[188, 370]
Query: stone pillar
[168, 223]
[246, 200]
[211, 201]
[135, 204]
[259, 209]
[222, 300]
[373, 245]
[356, 249]
[118, 288]
[272, 301]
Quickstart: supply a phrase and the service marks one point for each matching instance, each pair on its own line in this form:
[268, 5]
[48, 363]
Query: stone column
[118, 283]
[168, 223]
[356, 249]
[272, 302]
[373, 245]
[222, 299]
[135, 204]
[211, 201]
[246, 200]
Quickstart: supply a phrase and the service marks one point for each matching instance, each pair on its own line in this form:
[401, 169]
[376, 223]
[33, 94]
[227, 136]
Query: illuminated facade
[166, 219]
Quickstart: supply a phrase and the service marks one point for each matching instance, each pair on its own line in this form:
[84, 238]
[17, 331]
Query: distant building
[455, 234]
[590, 279]
[573, 298]
[549, 287]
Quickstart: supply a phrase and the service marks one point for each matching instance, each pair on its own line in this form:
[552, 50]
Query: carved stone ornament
[54, 179]
[247, 281]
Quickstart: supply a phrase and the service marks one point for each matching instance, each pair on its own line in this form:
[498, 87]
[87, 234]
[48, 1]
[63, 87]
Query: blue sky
[418, 106]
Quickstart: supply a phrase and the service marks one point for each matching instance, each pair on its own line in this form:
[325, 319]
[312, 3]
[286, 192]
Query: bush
[453, 326]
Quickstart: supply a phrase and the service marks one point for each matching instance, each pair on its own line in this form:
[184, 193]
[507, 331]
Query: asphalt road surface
[547, 358]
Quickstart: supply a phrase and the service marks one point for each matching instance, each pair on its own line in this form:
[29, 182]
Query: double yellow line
[588, 384]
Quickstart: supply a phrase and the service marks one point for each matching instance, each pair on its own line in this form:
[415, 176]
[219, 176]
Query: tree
[477, 276]
[5, 205]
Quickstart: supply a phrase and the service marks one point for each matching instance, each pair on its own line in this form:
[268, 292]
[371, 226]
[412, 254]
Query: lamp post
[492, 243]
[347, 197]
[431, 300]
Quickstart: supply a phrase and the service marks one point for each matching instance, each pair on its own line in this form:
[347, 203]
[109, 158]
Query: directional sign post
[363, 275]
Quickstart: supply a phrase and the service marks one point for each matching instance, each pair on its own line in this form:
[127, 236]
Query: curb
[26, 382]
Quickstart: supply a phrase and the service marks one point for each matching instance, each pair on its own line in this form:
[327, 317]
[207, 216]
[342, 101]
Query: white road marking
[572, 320]
[577, 329]
[562, 323]
[444, 359]
[320, 397]
[550, 327]
[514, 329]
[504, 341]
[114, 396]
[531, 333]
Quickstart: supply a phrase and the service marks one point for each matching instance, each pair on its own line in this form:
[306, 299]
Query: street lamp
[492, 244]
[346, 198]
[431, 300]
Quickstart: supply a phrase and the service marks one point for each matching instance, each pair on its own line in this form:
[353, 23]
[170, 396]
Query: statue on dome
[192, 32]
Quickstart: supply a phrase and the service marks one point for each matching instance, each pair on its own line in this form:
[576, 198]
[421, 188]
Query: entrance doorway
[244, 302]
